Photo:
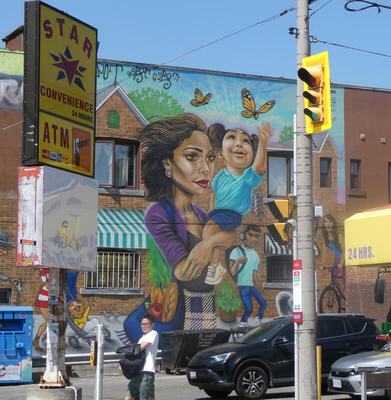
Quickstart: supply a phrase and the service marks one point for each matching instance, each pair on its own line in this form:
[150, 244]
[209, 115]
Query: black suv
[264, 357]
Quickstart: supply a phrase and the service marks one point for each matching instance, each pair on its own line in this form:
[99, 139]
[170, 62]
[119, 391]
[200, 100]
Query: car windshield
[262, 333]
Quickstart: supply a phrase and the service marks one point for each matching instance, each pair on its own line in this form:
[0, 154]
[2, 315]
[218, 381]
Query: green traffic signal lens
[311, 114]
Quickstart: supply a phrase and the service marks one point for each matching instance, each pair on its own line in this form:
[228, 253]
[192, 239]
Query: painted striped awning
[272, 248]
[122, 229]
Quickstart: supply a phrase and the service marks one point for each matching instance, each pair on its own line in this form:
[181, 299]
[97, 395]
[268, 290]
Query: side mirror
[279, 340]
[379, 290]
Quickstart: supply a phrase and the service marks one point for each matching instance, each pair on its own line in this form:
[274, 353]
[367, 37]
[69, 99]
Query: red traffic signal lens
[305, 76]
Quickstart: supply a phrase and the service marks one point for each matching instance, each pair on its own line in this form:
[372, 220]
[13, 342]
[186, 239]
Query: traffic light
[315, 73]
[282, 209]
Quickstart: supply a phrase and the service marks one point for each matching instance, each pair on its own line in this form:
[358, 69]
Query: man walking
[244, 260]
[142, 386]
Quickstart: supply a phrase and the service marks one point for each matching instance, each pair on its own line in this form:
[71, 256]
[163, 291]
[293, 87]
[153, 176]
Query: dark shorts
[228, 220]
[142, 386]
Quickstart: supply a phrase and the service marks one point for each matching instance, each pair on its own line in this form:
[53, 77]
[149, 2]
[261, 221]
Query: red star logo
[69, 67]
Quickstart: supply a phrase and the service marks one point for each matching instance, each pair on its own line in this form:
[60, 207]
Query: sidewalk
[168, 387]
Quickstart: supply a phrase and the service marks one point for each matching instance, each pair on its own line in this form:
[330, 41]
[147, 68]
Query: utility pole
[55, 373]
[307, 329]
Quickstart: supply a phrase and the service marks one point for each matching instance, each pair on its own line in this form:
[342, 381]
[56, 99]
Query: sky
[162, 32]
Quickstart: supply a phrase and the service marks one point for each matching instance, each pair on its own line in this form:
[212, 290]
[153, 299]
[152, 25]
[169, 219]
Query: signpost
[54, 230]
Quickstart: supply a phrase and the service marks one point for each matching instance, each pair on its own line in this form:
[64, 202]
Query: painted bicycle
[332, 298]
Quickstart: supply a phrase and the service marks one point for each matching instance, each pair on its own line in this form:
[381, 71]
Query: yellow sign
[66, 91]
[367, 237]
[65, 143]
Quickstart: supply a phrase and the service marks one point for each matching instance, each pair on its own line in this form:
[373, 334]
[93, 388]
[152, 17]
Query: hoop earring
[168, 173]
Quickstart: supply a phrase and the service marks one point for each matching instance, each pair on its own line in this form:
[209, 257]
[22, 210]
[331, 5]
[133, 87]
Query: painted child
[245, 159]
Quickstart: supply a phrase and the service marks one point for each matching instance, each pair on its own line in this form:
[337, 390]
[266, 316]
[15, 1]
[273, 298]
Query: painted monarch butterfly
[250, 108]
[199, 99]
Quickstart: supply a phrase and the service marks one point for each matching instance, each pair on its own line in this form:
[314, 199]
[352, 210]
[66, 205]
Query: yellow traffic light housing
[315, 74]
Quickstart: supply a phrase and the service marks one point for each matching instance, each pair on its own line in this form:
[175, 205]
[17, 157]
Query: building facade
[144, 245]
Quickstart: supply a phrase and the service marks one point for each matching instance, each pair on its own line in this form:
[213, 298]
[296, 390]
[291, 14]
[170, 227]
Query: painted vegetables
[164, 292]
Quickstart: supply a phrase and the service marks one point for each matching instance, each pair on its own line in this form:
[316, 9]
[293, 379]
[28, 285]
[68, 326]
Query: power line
[324, 5]
[314, 39]
[370, 4]
[231, 34]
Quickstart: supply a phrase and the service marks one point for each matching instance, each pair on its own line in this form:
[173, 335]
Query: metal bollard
[98, 392]
[363, 385]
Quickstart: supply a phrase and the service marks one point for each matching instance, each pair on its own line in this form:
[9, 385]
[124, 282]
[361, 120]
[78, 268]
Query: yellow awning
[368, 237]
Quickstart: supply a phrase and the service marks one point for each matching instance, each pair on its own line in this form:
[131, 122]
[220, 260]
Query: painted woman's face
[237, 151]
[192, 164]
[328, 224]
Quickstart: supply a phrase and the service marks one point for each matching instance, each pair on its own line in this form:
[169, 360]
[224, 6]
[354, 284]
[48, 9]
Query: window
[5, 296]
[116, 163]
[355, 174]
[113, 119]
[330, 327]
[279, 268]
[115, 270]
[288, 332]
[280, 174]
[325, 172]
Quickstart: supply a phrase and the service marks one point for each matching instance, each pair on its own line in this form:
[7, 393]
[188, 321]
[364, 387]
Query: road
[168, 387]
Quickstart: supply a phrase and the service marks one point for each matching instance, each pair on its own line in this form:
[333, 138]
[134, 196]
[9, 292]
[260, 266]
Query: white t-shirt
[151, 350]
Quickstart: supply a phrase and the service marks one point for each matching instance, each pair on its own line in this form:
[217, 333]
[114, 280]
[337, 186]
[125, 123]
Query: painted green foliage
[159, 272]
[286, 133]
[154, 104]
[227, 299]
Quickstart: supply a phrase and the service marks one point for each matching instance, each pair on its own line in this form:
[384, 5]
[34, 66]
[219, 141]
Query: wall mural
[202, 254]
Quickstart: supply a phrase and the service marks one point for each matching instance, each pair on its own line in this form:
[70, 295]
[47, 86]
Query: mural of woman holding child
[177, 162]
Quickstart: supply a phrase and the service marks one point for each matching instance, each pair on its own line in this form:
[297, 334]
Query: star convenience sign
[66, 89]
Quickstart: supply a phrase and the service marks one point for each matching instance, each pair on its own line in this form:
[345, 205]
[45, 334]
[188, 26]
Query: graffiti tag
[139, 74]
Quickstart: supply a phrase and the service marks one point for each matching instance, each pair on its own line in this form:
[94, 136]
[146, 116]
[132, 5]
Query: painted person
[245, 159]
[331, 241]
[43, 304]
[244, 260]
[177, 163]
[142, 386]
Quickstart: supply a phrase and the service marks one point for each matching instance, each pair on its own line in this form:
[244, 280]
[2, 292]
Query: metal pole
[363, 385]
[55, 373]
[305, 215]
[98, 392]
[294, 253]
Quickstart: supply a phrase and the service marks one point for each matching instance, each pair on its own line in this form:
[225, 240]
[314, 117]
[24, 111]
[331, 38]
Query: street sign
[59, 90]
[297, 291]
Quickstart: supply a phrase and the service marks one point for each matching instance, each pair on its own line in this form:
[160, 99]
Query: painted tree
[155, 104]
[286, 133]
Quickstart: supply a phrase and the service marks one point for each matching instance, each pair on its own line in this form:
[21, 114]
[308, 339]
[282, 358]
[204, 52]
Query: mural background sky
[158, 31]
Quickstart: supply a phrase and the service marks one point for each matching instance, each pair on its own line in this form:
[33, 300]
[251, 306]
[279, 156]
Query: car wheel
[217, 394]
[251, 383]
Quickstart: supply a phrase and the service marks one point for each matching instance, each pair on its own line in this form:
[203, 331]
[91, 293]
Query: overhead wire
[316, 40]
[324, 5]
[231, 34]
[370, 4]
